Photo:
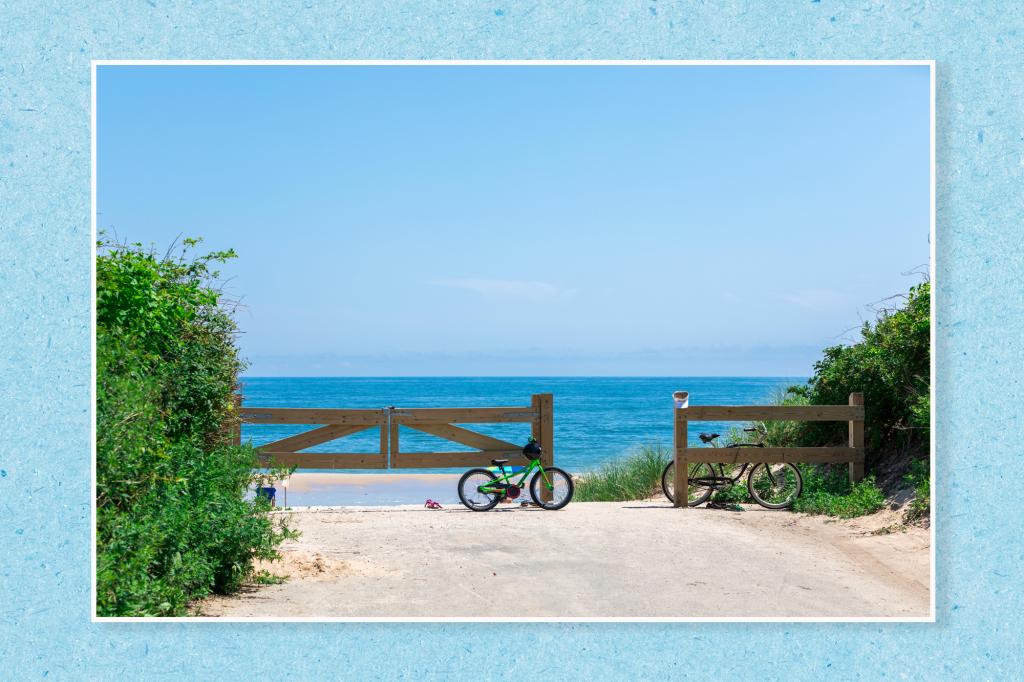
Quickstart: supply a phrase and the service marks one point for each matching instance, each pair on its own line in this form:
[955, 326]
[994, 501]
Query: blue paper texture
[45, 452]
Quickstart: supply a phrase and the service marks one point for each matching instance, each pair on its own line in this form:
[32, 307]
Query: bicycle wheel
[775, 486]
[469, 490]
[561, 488]
[696, 494]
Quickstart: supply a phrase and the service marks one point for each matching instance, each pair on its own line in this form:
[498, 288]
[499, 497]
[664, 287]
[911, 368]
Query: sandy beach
[629, 559]
[340, 490]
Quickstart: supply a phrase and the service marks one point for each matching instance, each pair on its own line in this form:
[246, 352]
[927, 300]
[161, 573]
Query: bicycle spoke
[475, 490]
[774, 485]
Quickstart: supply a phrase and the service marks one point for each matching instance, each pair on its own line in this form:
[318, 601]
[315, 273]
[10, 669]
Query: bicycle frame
[505, 478]
[721, 467]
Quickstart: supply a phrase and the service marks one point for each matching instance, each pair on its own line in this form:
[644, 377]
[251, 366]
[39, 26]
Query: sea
[596, 419]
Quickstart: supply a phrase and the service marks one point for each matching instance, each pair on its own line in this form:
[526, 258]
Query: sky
[529, 220]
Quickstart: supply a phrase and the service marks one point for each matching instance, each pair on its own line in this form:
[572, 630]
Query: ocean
[597, 419]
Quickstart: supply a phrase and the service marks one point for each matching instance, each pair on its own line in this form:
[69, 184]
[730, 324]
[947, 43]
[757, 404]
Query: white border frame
[930, 63]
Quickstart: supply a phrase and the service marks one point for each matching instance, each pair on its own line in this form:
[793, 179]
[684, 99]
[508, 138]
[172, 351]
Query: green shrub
[890, 365]
[635, 477]
[737, 492]
[268, 578]
[828, 491]
[919, 478]
[173, 523]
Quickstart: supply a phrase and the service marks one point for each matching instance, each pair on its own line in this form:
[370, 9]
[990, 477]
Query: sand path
[636, 559]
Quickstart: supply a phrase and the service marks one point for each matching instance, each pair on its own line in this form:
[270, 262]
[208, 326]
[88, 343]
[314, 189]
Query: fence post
[385, 432]
[680, 438]
[535, 428]
[393, 441]
[543, 428]
[857, 441]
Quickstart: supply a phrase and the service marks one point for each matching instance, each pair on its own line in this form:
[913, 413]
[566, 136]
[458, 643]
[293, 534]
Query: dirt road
[624, 559]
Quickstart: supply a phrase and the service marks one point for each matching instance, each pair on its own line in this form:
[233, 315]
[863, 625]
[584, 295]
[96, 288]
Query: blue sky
[653, 220]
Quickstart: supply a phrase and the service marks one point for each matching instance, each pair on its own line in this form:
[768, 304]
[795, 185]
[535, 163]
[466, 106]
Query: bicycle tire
[668, 482]
[785, 468]
[494, 498]
[552, 472]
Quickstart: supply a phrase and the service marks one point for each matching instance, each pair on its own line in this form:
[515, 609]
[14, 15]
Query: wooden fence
[441, 422]
[853, 452]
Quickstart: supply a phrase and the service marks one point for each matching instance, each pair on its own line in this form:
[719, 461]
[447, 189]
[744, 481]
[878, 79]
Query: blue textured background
[45, 50]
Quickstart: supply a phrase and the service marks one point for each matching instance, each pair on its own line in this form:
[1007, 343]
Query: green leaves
[891, 366]
[828, 491]
[173, 523]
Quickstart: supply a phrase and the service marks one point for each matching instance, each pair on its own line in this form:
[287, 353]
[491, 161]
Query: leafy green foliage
[737, 492]
[828, 491]
[173, 523]
[919, 478]
[636, 477]
[268, 578]
[890, 365]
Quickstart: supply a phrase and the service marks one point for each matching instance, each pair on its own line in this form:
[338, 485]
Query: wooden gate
[334, 424]
[440, 422]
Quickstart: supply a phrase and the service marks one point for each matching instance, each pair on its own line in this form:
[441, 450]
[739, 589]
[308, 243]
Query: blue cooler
[269, 493]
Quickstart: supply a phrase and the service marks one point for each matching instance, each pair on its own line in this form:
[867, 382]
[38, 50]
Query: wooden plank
[293, 415]
[465, 415]
[434, 460]
[308, 439]
[325, 460]
[393, 435]
[546, 409]
[680, 436]
[805, 413]
[856, 429]
[740, 455]
[464, 436]
[384, 439]
[535, 426]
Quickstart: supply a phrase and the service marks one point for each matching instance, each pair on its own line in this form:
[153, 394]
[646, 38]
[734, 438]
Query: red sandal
[430, 504]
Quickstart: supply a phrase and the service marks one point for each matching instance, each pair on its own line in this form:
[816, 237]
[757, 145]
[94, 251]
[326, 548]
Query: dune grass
[635, 477]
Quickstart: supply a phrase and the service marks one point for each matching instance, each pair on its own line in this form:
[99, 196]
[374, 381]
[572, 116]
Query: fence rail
[853, 453]
[439, 422]
[803, 413]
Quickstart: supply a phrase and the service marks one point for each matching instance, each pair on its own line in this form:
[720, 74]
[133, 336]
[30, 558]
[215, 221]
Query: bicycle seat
[708, 437]
[499, 462]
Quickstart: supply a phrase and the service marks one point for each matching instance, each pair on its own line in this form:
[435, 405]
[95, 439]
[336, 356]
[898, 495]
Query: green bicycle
[482, 489]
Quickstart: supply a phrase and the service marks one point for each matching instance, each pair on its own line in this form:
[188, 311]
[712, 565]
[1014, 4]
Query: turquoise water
[597, 419]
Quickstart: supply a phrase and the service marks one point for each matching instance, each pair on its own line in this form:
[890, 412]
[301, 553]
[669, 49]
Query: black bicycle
[774, 486]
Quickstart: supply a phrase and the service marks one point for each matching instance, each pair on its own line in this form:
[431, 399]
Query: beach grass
[635, 477]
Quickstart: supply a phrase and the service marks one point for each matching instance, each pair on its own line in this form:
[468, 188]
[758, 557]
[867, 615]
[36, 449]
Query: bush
[173, 523]
[735, 493]
[636, 477]
[890, 365]
[828, 491]
[919, 479]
